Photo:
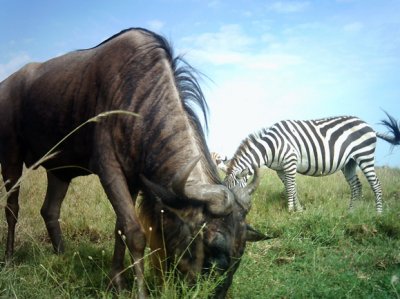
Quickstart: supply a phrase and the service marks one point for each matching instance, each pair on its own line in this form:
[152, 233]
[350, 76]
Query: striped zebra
[220, 161]
[314, 148]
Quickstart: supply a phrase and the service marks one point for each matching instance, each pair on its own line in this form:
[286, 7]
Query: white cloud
[247, 102]
[247, 14]
[289, 6]
[229, 37]
[231, 46]
[13, 65]
[155, 25]
[214, 3]
[353, 27]
[265, 61]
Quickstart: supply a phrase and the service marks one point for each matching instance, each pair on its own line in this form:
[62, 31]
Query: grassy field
[323, 252]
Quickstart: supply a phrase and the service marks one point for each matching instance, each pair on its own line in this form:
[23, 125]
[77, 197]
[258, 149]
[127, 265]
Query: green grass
[323, 252]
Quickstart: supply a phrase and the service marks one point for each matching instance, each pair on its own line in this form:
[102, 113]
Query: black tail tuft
[394, 129]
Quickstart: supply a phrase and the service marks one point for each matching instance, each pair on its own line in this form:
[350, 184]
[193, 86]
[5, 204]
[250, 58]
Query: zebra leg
[289, 180]
[291, 191]
[281, 176]
[369, 172]
[297, 204]
[349, 172]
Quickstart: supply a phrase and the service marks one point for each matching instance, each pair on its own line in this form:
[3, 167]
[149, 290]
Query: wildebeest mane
[191, 95]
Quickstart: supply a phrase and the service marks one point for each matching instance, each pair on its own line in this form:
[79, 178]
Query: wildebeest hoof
[117, 284]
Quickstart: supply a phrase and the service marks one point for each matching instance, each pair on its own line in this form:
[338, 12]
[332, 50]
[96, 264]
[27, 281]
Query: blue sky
[265, 60]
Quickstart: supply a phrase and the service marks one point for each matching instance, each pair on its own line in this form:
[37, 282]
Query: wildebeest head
[203, 227]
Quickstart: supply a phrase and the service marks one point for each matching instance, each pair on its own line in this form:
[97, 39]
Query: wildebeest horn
[252, 186]
[219, 199]
[244, 193]
[180, 179]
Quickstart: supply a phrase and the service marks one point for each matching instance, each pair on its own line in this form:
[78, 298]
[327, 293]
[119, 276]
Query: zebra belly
[311, 169]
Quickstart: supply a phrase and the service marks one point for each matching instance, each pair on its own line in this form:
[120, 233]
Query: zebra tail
[394, 130]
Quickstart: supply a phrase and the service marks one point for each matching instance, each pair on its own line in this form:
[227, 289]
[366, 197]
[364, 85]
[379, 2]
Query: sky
[263, 61]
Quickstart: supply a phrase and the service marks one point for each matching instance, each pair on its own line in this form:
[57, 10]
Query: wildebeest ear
[253, 235]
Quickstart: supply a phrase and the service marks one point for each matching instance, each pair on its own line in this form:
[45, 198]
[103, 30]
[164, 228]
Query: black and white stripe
[220, 161]
[315, 148]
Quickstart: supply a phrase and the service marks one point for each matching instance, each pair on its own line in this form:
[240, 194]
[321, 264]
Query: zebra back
[312, 147]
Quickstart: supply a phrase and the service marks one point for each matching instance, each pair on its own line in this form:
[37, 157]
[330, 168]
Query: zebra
[315, 148]
[220, 161]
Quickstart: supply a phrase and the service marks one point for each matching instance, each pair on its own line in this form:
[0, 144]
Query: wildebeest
[161, 153]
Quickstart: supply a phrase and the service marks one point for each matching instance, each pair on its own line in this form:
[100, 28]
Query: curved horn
[179, 181]
[219, 199]
[251, 187]
[244, 197]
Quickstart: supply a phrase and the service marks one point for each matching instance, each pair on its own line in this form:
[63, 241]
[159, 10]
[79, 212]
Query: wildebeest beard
[162, 152]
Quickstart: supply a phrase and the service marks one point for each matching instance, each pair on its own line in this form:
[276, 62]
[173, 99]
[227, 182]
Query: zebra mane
[244, 144]
[260, 133]
[329, 118]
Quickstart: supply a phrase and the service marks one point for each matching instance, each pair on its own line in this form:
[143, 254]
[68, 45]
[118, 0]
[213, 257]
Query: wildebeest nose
[222, 263]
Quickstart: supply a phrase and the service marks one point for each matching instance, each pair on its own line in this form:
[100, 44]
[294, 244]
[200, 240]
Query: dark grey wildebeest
[161, 153]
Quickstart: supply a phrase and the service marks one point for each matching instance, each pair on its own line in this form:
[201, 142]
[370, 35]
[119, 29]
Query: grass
[323, 252]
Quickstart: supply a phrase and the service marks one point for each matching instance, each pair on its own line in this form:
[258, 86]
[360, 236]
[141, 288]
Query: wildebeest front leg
[56, 190]
[11, 174]
[128, 232]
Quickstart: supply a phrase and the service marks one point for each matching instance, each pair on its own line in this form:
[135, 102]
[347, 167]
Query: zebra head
[220, 161]
[237, 178]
